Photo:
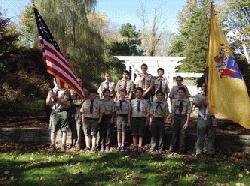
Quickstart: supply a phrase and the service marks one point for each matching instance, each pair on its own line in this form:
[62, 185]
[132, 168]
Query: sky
[118, 11]
[126, 11]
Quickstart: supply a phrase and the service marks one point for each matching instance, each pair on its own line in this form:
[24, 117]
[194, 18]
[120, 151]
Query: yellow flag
[227, 92]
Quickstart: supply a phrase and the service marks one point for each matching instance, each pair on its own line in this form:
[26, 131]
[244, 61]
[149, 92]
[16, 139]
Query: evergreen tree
[192, 41]
[129, 46]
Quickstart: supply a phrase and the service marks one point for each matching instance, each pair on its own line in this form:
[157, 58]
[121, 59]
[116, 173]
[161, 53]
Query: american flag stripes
[57, 65]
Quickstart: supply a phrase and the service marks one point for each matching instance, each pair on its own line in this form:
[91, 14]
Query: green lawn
[78, 168]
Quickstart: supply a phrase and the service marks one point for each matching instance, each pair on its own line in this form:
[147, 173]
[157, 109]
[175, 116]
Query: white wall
[169, 64]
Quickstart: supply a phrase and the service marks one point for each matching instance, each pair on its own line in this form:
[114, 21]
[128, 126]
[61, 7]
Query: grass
[78, 168]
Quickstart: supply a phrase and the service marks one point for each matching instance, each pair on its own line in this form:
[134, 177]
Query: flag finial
[33, 4]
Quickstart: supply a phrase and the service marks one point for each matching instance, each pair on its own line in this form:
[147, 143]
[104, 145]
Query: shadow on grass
[118, 168]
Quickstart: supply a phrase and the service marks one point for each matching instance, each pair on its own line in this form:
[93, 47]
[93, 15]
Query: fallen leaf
[240, 175]
[240, 184]
[3, 178]
[6, 172]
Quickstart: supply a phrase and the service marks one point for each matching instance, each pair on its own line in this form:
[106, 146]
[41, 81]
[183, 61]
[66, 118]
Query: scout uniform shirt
[107, 106]
[159, 109]
[144, 81]
[124, 84]
[174, 91]
[76, 101]
[203, 110]
[161, 84]
[91, 108]
[61, 94]
[122, 107]
[139, 107]
[86, 93]
[181, 107]
[106, 85]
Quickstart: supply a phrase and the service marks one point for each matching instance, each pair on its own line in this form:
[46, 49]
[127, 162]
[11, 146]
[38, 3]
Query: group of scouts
[136, 105]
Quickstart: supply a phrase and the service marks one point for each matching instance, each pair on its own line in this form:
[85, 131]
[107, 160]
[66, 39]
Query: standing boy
[124, 84]
[122, 108]
[107, 115]
[158, 111]
[107, 84]
[174, 90]
[76, 124]
[139, 117]
[145, 81]
[91, 117]
[204, 123]
[59, 100]
[181, 109]
[161, 83]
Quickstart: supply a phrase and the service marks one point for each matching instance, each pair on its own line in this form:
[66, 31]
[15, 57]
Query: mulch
[225, 127]
[24, 122]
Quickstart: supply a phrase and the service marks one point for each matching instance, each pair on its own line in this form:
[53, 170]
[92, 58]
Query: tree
[20, 76]
[177, 46]
[192, 41]
[237, 23]
[154, 37]
[124, 41]
[27, 28]
[129, 43]
[72, 24]
[8, 39]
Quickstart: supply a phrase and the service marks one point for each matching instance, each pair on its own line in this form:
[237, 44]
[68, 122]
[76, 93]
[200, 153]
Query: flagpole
[209, 31]
[33, 3]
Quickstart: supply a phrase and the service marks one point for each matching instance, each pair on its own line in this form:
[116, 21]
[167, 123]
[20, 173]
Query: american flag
[57, 65]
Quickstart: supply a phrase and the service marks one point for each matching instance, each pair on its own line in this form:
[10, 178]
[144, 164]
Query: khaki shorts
[90, 126]
[121, 122]
[59, 120]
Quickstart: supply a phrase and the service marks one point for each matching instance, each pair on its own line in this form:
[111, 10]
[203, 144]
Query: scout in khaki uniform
[125, 84]
[181, 109]
[204, 124]
[59, 100]
[122, 108]
[91, 117]
[107, 84]
[139, 117]
[107, 115]
[76, 124]
[145, 81]
[174, 90]
[161, 83]
[158, 111]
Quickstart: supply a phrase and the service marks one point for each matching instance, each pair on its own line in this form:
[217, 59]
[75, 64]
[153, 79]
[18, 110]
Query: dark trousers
[179, 134]
[157, 131]
[73, 128]
[205, 129]
[76, 131]
[105, 131]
